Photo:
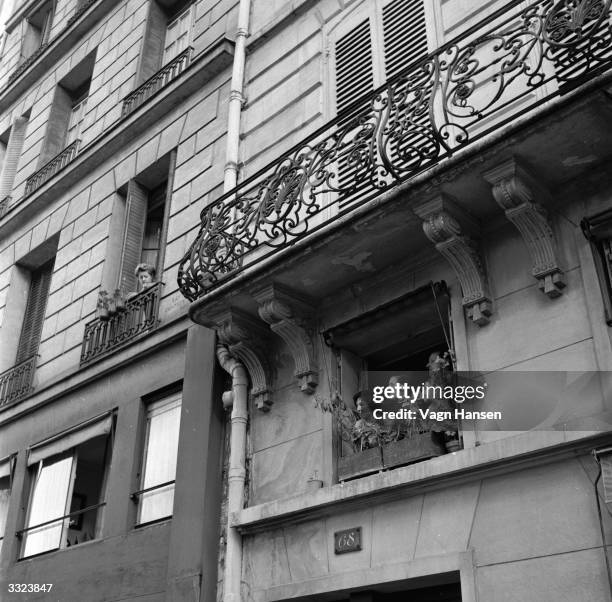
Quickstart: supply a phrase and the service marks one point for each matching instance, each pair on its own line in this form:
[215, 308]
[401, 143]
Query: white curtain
[163, 420]
[49, 500]
[5, 494]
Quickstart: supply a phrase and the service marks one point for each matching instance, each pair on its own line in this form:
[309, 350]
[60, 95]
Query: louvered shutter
[405, 42]
[354, 78]
[404, 34]
[35, 312]
[354, 68]
[135, 219]
[12, 156]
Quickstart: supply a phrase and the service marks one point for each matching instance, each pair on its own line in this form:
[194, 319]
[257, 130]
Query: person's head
[145, 274]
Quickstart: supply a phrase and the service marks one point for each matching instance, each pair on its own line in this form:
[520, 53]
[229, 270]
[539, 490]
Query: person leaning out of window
[145, 275]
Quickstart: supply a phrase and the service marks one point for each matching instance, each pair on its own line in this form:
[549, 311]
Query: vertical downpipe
[236, 473]
[232, 578]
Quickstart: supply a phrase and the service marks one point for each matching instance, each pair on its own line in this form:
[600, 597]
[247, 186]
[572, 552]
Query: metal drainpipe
[236, 98]
[236, 473]
[232, 577]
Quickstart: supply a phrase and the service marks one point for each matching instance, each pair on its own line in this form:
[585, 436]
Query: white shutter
[135, 220]
[12, 156]
[354, 68]
[404, 34]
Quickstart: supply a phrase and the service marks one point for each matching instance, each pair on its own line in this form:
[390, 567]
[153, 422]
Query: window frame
[172, 397]
[187, 12]
[46, 455]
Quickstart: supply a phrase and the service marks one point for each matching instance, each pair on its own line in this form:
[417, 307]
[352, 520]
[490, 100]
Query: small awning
[71, 438]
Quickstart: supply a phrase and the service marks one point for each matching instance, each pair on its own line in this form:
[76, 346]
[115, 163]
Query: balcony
[157, 82]
[50, 169]
[16, 383]
[138, 317]
[519, 63]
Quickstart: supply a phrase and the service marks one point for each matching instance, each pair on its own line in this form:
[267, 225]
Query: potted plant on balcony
[102, 306]
[376, 445]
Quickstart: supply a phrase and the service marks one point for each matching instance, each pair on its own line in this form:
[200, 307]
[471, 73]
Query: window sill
[499, 457]
[49, 553]
[152, 523]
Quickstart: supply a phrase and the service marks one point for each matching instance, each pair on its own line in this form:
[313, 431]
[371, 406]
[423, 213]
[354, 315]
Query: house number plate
[348, 540]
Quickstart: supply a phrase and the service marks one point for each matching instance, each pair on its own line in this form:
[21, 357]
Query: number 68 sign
[348, 540]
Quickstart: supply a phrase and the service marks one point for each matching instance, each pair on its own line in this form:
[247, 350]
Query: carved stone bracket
[288, 316]
[445, 224]
[517, 193]
[245, 338]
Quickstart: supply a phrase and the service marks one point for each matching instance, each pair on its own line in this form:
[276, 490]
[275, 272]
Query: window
[178, 33]
[29, 339]
[598, 231]
[147, 201]
[6, 470]
[68, 474]
[156, 495]
[395, 340]
[76, 119]
[68, 109]
[37, 29]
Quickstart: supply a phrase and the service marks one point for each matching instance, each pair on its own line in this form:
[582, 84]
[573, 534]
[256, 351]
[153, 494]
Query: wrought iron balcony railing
[4, 203]
[157, 82]
[16, 383]
[507, 65]
[138, 316]
[47, 171]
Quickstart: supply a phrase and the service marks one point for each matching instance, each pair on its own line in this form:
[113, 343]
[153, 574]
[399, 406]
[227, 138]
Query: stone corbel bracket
[289, 315]
[451, 230]
[518, 193]
[245, 338]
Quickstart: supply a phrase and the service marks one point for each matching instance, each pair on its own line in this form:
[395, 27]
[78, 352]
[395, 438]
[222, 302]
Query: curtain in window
[163, 419]
[49, 500]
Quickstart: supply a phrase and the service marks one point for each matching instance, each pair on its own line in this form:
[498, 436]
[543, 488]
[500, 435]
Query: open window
[68, 477]
[147, 208]
[37, 27]
[406, 338]
[155, 498]
[168, 34]
[68, 109]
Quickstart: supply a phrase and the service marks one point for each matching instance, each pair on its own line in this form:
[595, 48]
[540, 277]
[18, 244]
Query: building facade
[220, 221]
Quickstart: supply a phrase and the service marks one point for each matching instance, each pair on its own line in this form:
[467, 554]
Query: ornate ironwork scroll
[506, 66]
